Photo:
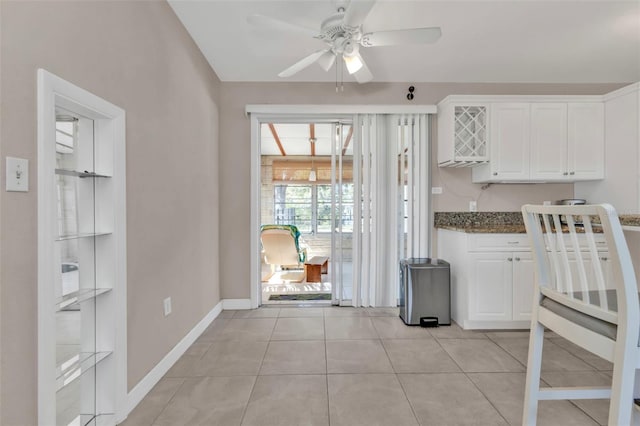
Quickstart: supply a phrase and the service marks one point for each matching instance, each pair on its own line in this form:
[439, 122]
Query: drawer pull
[517, 259]
[513, 242]
[510, 259]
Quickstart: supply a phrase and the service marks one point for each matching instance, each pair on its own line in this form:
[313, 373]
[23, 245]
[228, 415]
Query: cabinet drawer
[498, 242]
[601, 244]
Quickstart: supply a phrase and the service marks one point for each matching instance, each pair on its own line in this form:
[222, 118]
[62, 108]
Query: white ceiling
[482, 41]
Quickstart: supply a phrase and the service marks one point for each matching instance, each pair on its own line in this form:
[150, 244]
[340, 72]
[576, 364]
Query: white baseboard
[233, 304]
[149, 381]
[495, 325]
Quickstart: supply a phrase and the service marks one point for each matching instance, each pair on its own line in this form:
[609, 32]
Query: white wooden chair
[592, 306]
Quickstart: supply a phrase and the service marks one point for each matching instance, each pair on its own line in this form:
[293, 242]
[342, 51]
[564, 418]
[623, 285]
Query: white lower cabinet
[523, 282]
[500, 289]
[489, 287]
[493, 277]
[501, 286]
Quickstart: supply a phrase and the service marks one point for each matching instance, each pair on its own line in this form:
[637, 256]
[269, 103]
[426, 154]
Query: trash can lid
[426, 262]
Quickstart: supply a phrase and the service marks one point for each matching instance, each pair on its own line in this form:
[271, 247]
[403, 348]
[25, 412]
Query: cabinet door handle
[565, 173]
[517, 259]
[510, 259]
[495, 173]
[572, 173]
[604, 259]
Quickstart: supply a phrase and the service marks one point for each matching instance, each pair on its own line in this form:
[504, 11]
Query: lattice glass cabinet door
[470, 133]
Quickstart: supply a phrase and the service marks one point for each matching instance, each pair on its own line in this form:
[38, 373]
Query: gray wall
[137, 55]
[235, 154]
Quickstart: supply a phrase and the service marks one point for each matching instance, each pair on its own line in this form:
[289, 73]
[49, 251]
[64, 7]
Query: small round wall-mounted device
[410, 94]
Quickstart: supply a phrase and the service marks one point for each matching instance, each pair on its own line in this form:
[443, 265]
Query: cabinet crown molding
[523, 98]
[635, 87]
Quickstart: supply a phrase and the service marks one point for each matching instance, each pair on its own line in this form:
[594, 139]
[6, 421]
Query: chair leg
[622, 384]
[534, 366]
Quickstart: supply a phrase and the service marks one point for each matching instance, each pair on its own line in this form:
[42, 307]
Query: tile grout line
[326, 371]
[469, 379]
[395, 373]
[184, 379]
[404, 391]
[246, 406]
[546, 340]
[487, 398]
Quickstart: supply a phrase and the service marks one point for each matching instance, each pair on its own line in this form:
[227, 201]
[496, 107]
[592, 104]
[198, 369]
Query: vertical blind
[391, 160]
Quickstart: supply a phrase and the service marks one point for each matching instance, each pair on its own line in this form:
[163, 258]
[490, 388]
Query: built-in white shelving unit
[81, 257]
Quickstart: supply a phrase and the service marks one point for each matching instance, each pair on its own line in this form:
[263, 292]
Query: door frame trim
[272, 112]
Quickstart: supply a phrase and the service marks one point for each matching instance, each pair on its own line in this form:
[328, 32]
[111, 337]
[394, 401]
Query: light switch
[17, 174]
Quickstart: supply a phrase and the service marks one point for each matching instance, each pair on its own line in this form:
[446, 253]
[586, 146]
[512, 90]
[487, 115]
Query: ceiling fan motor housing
[331, 27]
[333, 30]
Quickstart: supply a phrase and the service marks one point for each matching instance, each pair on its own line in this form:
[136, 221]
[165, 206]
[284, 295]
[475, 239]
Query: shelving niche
[82, 257]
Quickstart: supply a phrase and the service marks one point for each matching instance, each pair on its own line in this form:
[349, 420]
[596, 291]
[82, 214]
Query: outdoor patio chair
[281, 245]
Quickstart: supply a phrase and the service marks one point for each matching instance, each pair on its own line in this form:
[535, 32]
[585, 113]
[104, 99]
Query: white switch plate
[17, 174]
[436, 190]
[473, 206]
[167, 306]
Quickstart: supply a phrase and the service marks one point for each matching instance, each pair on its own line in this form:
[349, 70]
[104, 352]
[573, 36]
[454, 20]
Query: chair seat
[596, 325]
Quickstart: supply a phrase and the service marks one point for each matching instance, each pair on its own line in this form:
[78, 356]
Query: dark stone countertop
[497, 222]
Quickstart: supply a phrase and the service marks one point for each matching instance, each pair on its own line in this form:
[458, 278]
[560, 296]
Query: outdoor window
[309, 207]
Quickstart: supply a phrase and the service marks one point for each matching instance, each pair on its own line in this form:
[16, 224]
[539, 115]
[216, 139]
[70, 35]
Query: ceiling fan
[343, 34]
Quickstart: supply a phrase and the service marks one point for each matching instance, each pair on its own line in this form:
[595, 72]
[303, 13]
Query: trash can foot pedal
[429, 322]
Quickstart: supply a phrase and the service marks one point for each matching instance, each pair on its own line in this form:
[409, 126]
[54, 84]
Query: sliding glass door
[342, 212]
[357, 191]
[306, 182]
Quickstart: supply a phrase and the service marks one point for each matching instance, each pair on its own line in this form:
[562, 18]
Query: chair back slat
[598, 274]
[580, 262]
[553, 254]
[565, 272]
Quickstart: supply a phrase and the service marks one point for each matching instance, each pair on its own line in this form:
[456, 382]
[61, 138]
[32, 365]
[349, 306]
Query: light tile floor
[345, 366]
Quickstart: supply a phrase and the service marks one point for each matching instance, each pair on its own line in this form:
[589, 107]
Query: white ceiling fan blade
[327, 60]
[302, 64]
[363, 75]
[409, 36]
[270, 23]
[356, 13]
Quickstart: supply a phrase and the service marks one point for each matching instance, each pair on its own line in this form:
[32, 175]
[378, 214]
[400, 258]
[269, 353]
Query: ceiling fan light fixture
[353, 63]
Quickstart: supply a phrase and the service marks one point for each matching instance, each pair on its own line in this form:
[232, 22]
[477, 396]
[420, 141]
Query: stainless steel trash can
[425, 291]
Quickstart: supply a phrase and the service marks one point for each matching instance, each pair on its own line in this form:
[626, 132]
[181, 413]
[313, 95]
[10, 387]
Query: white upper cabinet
[509, 146]
[549, 141]
[510, 140]
[567, 141]
[585, 141]
[542, 141]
